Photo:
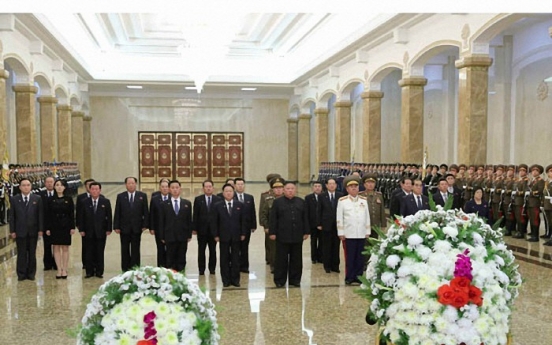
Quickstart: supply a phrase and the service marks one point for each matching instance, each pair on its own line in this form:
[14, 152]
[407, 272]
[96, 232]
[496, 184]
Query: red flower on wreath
[460, 291]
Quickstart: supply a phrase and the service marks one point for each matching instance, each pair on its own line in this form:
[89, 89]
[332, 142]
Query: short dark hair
[227, 185]
[290, 182]
[207, 181]
[47, 177]
[331, 178]
[25, 179]
[449, 174]
[404, 178]
[135, 179]
[163, 180]
[88, 181]
[174, 181]
[94, 183]
[63, 182]
[442, 179]
[317, 182]
[239, 179]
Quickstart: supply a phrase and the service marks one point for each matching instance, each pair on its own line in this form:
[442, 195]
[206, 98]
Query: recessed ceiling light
[248, 88]
[138, 87]
[190, 88]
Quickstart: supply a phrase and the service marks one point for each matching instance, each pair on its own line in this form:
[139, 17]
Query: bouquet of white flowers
[442, 278]
[149, 306]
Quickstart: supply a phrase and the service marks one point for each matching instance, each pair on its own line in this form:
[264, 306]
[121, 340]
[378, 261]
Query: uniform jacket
[353, 217]
[249, 211]
[229, 227]
[131, 218]
[175, 227]
[536, 190]
[98, 223]
[376, 208]
[26, 220]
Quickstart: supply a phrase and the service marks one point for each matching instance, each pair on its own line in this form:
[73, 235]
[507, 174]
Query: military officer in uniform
[375, 206]
[534, 201]
[262, 200]
[547, 205]
[496, 194]
[507, 201]
[277, 185]
[518, 193]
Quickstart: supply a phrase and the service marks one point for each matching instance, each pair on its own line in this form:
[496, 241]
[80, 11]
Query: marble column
[86, 170]
[25, 106]
[77, 132]
[303, 152]
[292, 149]
[371, 123]
[472, 108]
[321, 140]
[412, 119]
[3, 113]
[343, 131]
[48, 128]
[64, 133]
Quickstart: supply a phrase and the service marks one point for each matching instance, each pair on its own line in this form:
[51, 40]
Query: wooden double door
[190, 156]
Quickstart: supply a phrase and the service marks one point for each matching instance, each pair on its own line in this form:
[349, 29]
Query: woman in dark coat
[60, 225]
[477, 204]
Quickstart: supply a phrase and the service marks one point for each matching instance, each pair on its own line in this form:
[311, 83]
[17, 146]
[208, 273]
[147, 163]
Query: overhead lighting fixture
[137, 87]
[248, 88]
[190, 88]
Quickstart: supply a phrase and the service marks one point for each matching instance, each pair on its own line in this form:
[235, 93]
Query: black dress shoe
[296, 284]
[336, 271]
[20, 279]
[236, 284]
[358, 281]
[532, 239]
[244, 271]
[88, 276]
[97, 275]
[31, 278]
[548, 243]
[348, 282]
[314, 262]
[518, 235]
[327, 270]
[226, 284]
[545, 237]
[48, 268]
[279, 285]
[202, 273]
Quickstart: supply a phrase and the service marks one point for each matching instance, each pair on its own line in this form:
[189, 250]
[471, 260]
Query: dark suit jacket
[229, 228]
[81, 198]
[312, 210]
[289, 220]
[131, 219]
[409, 206]
[95, 223]
[203, 216]
[175, 227]
[249, 211]
[155, 211]
[26, 220]
[327, 211]
[395, 202]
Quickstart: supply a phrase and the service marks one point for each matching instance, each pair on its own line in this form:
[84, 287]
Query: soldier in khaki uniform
[547, 203]
[534, 201]
[487, 184]
[262, 199]
[468, 184]
[518, 193]
[507, 201]
[375, 205]
[277, 185]
[496, 193]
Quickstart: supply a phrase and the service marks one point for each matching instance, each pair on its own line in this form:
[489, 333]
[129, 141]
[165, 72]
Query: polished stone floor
[322, 311]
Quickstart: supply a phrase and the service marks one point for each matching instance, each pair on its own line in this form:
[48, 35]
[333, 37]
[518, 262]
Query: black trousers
[83, 252]
[203, 242]
[244, 252]
[316, 244]
[26, 256]
[161, 251]
[330, 250]
[48, 260]
[230, 262]
[176, 255]
[3, 210]
[130, 250]
[95, 248]
[289, 263]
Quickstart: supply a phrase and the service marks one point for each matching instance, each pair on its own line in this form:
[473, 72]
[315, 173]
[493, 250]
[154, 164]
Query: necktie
[229, 208]
[331, 198]
[95, 205]
[209, 202]
[419, 202]
[26, 201]
[445, 197]
[131, 200]
[176, 208]
[241, 197]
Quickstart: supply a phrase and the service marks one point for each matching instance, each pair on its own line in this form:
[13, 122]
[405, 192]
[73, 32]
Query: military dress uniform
[496, 195]
[264, 220]
[262, 200]
[518, 193]
[377, 210]
[547, 206]
[534, 201]
[507, 204]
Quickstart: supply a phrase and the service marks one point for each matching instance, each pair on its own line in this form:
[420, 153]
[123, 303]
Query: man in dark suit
[202, 222]
[454, 191]
[229, 181]
[80, 201]
[46, 194]
[26, 225]
[289, 227]
[442, 195]
[312, 201]
[416, 201]
[95, 218]
[131, 218]
[229, 228]
[327, 223]
[398, 195]
[250, 219]
[155, 212]
[175, 225]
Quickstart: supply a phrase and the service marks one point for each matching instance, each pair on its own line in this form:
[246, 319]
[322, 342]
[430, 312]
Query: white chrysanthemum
[450, 231]
[392, 261]
[415, 240]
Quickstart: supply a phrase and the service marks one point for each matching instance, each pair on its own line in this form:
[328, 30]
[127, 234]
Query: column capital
[24, 88]
[343, 104]
[87, 118]
[474, 61]
[64, 107]
[47, 99]
[371, 94]
[305, 117]
[292, 120]
[4, 74]
[77, 114]
[321, 111]
[413, 81]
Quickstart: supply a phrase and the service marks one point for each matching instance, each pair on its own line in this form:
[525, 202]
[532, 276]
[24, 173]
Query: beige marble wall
[321, 140]
[64, 153]
[86, 170]
[304, 156]
[25, 123]
[371, 123]
[48, 128]
[77, 148]
[117, 121]
[343, 131]
[472, 108]
[293, 169]
[412, 119]
[391, 118]
[3, 112]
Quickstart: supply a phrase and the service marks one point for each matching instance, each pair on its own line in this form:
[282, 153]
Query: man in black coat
[95, 218]
[202, 222]
[398, 196]
[26, 225]
[229, 228]
[175, 225]
[416, 201]
[131, 219]
[80, 201]
[312, 201]
[289, 227]
[157, 199]
[454, 191]
[441, 196]
[248, 202]
[46, 194]
[327, 223]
